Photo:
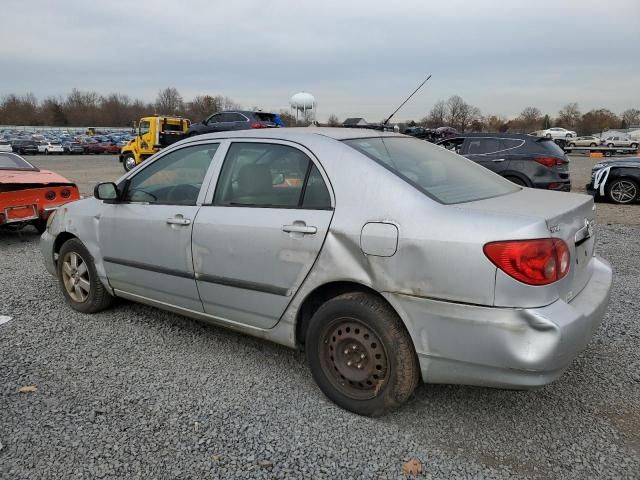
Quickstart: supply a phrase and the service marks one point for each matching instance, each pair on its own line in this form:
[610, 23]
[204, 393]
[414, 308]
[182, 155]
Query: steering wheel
[184, 193]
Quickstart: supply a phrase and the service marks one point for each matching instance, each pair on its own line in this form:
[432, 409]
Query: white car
[557, 132]
[619, 141]
[50, 147]
[5, 146]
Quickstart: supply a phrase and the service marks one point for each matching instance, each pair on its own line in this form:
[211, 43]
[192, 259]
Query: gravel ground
[135, 392]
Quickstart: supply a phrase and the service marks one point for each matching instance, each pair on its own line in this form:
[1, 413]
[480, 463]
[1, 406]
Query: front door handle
[498, 160]
[300, 228]
[179, 220]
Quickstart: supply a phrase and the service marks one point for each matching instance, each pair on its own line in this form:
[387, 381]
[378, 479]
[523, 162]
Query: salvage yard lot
[136, 392]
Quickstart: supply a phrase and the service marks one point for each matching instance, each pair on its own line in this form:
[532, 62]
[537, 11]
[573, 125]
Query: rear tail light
[534, 262]
[50, 195]
[549, 161]
[65, 193]
[257, 125]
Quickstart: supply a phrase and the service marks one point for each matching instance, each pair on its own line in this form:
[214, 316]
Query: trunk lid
[568, 216]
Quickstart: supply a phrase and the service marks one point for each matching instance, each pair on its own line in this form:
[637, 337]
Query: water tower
[304, 102]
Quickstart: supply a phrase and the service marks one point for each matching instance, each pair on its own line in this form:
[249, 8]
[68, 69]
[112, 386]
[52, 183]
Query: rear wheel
[548, 135]
[128, 162]
[593, 145]
[622, 191]
[572, 144]
[610, 145]
[517, 181]
[361, 355]
[634, 145]
[79, 280]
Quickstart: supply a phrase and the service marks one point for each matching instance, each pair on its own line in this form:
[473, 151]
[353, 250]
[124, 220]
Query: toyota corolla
[389, 260]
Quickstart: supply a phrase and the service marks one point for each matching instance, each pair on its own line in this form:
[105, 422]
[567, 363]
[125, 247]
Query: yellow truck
[154, 133]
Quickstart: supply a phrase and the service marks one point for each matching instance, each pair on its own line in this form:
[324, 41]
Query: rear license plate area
[21, 213]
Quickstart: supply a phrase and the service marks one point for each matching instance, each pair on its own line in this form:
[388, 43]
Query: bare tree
[529, 119]
[333, 121]
[169, 101]
[569, 116]
[288, 119]
[631, 117]
[598, 121]
[204, 105]
[496, 123]
[436, 115]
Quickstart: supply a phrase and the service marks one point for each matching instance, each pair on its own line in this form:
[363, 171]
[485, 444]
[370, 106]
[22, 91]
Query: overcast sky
[358, 58]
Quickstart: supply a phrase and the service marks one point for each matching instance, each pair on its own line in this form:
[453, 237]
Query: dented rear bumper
[503, 347]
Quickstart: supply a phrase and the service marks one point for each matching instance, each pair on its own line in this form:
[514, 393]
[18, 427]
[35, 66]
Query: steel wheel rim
[353, 358]
[129, 163]
[623, 191]
[75, 277]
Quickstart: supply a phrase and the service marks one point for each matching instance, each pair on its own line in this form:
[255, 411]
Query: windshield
[14, 162]
[435, 171]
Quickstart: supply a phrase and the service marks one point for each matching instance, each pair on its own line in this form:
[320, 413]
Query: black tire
[46, 152]
[548, 135]
[610, 145]
[124, 162]
[593, 145]
[634, 145]
[40, 225]
[568, 135]
[616, 191]
[517, 180]
[367, 320]
[572, 144]
[97, 298]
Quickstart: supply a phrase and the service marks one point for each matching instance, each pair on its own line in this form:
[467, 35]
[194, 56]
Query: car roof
[299, 133]
[494, 135]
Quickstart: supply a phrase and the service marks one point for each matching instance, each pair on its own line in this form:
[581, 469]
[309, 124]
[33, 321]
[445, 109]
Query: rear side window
[270, 175]
[265, 117]
[444, 176]
[480, 146]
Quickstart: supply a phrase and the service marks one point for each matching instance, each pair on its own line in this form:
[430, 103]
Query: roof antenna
[408, 98]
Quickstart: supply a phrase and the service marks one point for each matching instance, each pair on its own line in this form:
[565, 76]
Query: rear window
[551, 147]
[14, 162]
[438, 173]
[265, 117]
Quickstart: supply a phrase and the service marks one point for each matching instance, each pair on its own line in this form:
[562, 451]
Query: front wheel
[79, 280]
[548, 135]
[593, 145]
[361, 355]
[610, 145]
[634, 145]
[128, 162]
[572, 144]
[622, 191]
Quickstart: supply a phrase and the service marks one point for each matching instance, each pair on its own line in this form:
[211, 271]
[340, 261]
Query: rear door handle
[179, 220]
[498, 160]
[300, 228]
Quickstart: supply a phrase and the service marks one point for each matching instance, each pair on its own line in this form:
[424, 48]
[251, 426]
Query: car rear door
[256, 239]
[145, 239]
[487, 152]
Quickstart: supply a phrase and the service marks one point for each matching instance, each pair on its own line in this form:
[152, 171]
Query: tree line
[88, 108]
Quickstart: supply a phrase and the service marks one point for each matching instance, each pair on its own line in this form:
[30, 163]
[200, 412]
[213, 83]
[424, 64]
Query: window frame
[124, 182]
[313, 161]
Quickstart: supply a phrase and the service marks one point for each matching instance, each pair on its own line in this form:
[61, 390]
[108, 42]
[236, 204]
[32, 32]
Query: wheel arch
[513, 173]
[60, 240]
[323, 293]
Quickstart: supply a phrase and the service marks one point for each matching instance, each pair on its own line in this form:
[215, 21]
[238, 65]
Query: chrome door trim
[243, 284]
[149, 267]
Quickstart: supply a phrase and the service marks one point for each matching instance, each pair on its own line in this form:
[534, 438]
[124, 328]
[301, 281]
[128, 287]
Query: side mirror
[278, 179]
[106, 191]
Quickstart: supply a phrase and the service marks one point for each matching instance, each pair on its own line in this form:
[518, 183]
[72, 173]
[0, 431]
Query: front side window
[145, 125]
[174, 179]
[444, 176]
[269, 175]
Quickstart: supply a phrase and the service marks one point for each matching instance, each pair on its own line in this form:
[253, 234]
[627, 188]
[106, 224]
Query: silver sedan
[386, 258]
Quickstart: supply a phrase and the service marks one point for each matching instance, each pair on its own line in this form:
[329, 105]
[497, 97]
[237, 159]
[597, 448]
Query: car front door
[145, 238]
[260, 234]
[486, 151]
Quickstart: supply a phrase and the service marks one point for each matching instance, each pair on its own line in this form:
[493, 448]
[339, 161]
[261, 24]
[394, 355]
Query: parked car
[233, 120]
[28, 195]
[267, 232]
[523, 159]
[619, 141]
[72, 146]
[92, 146]
[588, 141]
[49, 147]
[616, 180]
[557, 132]
[5, 146]
[110, 147]
[23, 146]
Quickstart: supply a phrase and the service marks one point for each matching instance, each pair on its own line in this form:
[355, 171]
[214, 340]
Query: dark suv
[524, 159]
[236, 120]
[23, 146]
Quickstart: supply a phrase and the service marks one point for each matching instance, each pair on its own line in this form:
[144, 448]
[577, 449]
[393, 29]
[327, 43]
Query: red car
[28, 195]
[92, 146]
[110, 147]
